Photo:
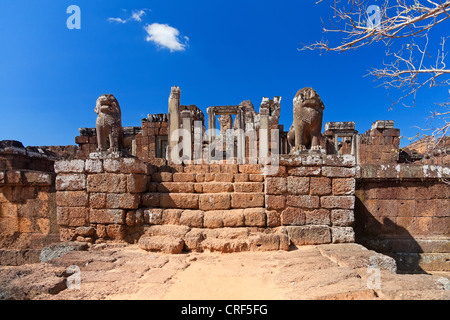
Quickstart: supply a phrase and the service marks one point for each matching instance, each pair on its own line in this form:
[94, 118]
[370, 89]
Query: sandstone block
[303, 201]
[72, 199]
[69, 166]
[250, 168]
[219, 201]
[229, 168]
[151, 200]
[213, 219]
[111, 165]
[136, 183]
[192, 218]
[93, 166]
[217, 187]
[72, 217]
[204, 177]
[116, 231]
[298, 185]
[275, 202]
[70, 182]
[167, 230]
[233, 218]
[338, 202]
[97, 200]
[107, 216]
[132, 165]
[13, 177]
[273, 218]
[344, 186]
[183, 177]
[342, 218]
[171, 216]
[176, 187]
[130, 218]
[67, 234]
[275, 185]
[202, 168]
[248, 187]
[338, 172]
[309, 235]
[264, 242]
[193, 240]
[162, 177]
[35, 178]
[255, 217]
[292, 217]
[312, 160]
[179, 201]
[224, 245]
[318, 217]
[305, 171]
[153, 216]
[342, 235]
[241, 177]
[107, 182]
[101, 231]
[122, 201]
[320, 186]
[224, 177]
[255, 178]
[247, 200]
[85, 231]
[165, 244]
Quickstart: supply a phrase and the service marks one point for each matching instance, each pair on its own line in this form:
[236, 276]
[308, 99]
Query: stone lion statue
[109, 123]
[305, 132]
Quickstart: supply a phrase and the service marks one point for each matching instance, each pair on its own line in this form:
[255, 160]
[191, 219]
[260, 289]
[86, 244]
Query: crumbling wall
[380, 144]
[27, 203]
[308, 200]
[404, 210]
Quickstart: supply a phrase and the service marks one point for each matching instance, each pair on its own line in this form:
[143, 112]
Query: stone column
[211, 124]
[198, 142]
[264, 134]
[187, 134]
[240, 118]
[174, 117]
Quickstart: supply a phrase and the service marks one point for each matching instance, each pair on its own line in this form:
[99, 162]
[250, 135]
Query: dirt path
[240, 277]
[309, 272]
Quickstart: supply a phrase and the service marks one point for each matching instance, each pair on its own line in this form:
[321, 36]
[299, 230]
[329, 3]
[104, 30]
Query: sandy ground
[126, 272]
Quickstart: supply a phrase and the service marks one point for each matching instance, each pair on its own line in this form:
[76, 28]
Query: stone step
[251, 217]
[204, 201]
[174, 239]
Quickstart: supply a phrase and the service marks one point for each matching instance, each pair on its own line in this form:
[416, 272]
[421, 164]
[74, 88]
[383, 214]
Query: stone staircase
[236, 230]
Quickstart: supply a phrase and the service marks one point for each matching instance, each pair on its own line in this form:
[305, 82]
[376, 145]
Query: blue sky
[218, 52]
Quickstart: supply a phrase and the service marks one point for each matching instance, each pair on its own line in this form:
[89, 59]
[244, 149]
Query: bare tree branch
[409, 68]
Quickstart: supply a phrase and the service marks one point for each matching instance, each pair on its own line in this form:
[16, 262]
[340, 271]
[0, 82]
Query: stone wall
[380, 144]
[404, 210]
[309, 200]
[27, 203]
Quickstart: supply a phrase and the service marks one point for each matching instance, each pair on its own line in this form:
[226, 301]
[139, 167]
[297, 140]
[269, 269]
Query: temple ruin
[180, 183]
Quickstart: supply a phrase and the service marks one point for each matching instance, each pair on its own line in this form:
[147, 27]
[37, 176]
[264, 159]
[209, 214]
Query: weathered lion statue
[305, 132]
[109, 123]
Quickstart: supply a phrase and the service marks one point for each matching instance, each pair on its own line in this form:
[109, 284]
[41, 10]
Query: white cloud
[165, 36]
[137, 15]
[118, 20]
